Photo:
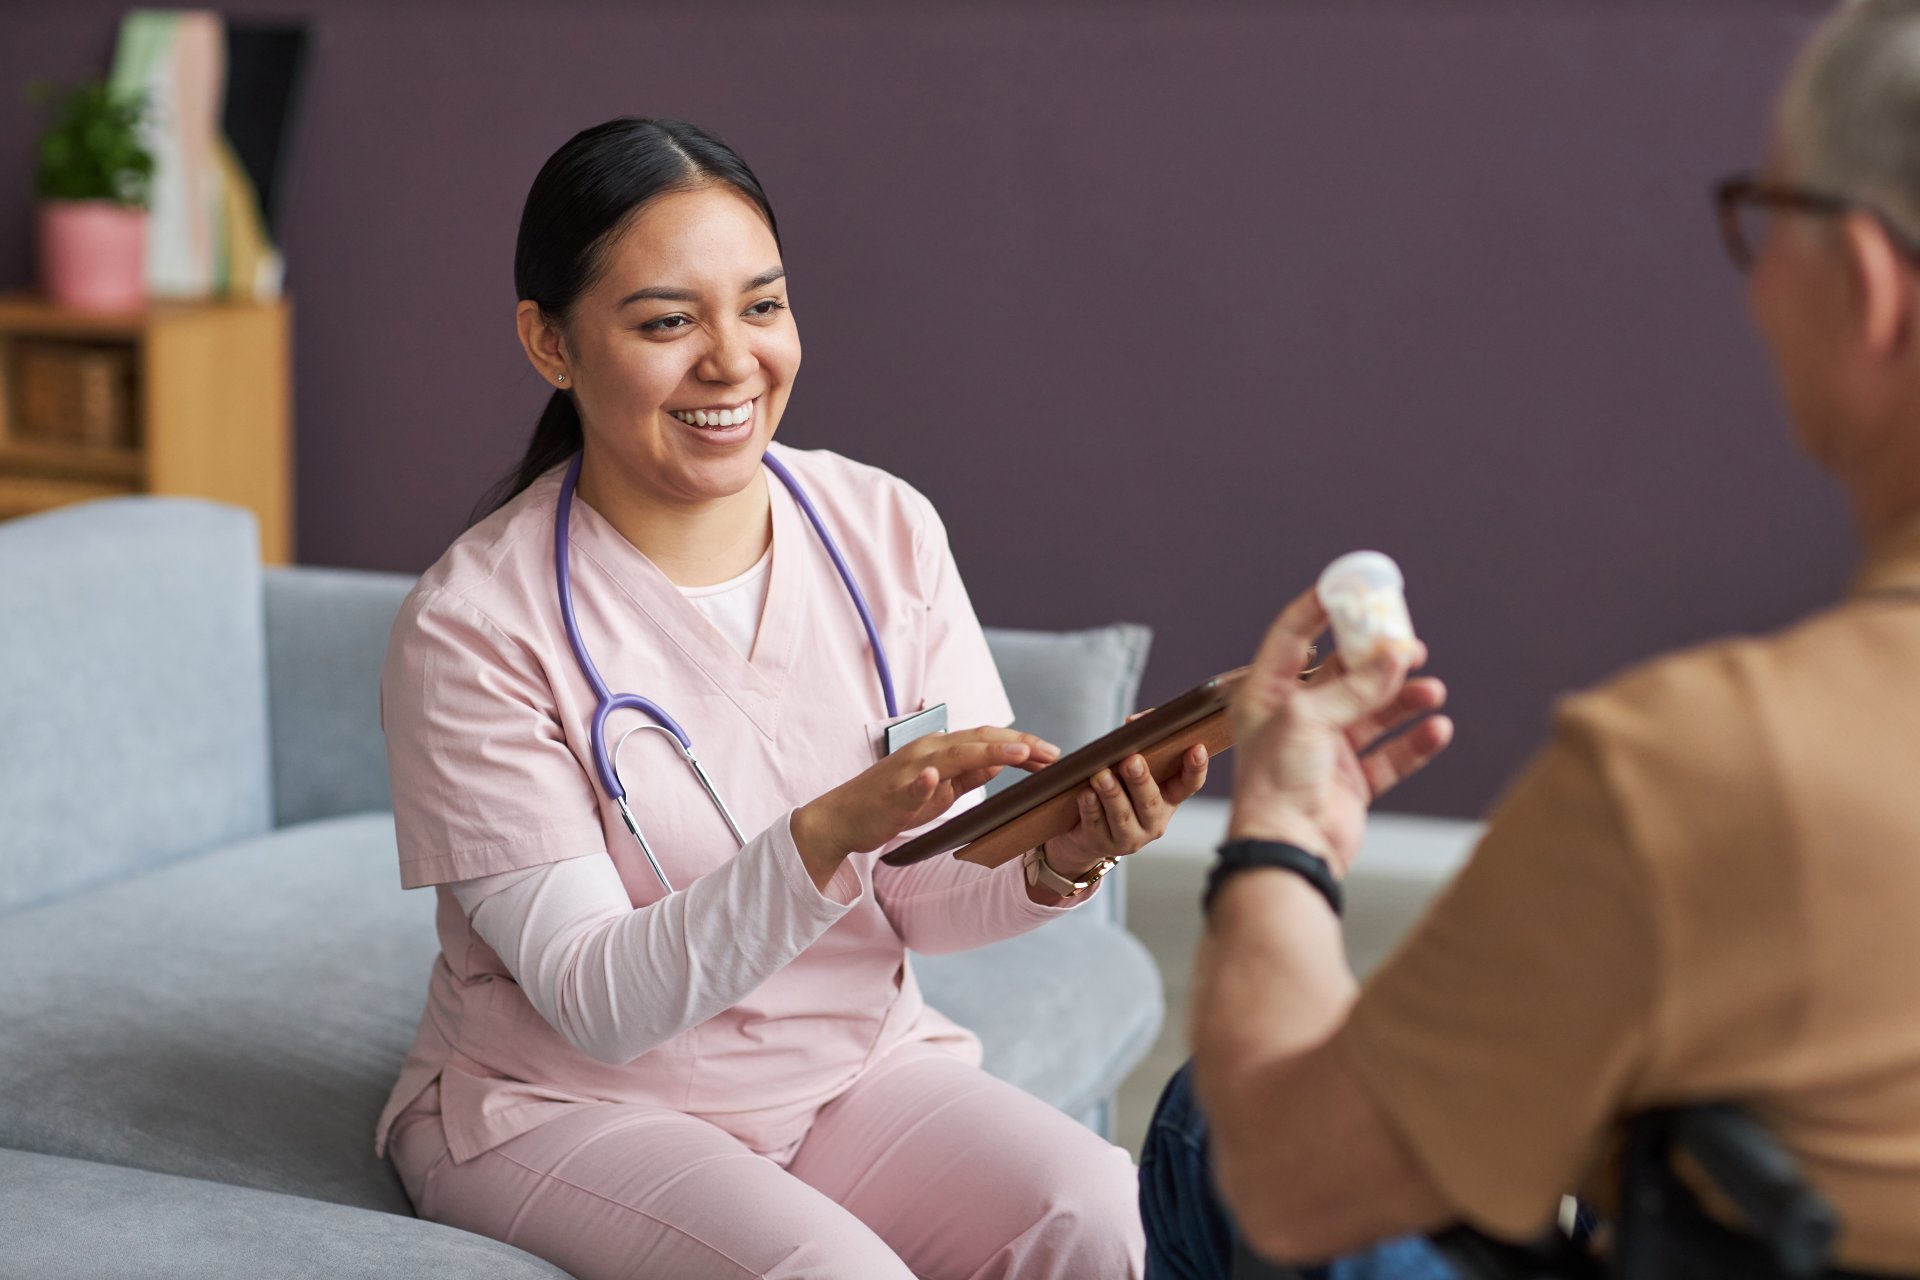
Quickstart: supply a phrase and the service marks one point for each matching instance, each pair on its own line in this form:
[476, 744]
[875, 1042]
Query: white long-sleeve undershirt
[617, 980]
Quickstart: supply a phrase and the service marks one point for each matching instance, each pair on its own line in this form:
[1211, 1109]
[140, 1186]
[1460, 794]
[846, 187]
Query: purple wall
[1435, 278]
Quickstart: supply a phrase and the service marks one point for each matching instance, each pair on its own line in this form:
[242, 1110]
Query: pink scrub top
[487, 717]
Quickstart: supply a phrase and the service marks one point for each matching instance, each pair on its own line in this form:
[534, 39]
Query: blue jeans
[1190, 1236]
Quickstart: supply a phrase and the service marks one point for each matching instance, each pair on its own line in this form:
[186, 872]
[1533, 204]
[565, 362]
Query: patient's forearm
[1271, 987]
[1305, 1159]
[1271, 982]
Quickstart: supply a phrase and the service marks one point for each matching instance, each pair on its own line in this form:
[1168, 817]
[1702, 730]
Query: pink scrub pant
[926, 1167]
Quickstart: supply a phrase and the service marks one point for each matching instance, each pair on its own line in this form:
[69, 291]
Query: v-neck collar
[756, 683]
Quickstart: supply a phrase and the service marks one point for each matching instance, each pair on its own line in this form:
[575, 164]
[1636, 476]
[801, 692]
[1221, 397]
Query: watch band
[1041, 872]
[1244, 855]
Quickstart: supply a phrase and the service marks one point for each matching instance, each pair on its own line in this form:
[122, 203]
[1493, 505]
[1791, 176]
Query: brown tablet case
[1010, 823]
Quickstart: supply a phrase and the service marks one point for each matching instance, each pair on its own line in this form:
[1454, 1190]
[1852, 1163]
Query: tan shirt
[1706, 888]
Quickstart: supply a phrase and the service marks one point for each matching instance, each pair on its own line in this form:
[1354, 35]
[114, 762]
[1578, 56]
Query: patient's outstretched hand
[1313, 754]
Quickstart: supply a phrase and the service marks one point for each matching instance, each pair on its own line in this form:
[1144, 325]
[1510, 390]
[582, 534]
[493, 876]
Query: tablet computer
[1044, 801]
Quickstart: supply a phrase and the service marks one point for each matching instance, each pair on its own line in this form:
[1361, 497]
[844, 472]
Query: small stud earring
[560, 378]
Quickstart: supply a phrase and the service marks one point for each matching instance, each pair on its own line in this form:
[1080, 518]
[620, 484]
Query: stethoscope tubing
[880, 663]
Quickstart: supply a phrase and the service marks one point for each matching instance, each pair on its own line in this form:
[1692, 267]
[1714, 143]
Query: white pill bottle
[1364, 594]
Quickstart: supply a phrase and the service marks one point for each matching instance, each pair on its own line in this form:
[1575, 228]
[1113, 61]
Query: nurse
[735, 1075]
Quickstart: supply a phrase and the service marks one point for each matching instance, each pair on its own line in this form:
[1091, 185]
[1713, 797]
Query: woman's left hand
[1123, 811]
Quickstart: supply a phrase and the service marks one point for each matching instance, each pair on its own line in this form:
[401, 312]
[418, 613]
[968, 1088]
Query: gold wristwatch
[1040, 873]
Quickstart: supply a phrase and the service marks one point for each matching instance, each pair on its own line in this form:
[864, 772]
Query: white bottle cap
[1363, 593]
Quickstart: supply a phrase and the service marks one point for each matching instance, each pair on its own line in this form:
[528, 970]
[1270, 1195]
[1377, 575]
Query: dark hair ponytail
[584, 195]
[556, 437]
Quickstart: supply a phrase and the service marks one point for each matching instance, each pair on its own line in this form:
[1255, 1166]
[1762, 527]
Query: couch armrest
[326, 642]
[133, 716]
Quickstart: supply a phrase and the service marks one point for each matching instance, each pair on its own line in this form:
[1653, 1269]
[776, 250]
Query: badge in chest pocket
[898, 732]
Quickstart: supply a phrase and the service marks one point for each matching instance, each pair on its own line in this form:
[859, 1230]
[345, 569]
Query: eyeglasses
[1746, 203]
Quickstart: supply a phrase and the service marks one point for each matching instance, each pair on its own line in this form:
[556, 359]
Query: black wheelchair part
[1783, 1228]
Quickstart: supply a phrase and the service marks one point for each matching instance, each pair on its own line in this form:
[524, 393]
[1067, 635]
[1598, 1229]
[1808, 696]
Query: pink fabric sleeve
[956, 665]
[943, 904]
[483, 777]
[617, 981]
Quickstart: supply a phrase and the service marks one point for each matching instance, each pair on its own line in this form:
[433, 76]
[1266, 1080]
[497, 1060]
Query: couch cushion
[132, 688]
[326, 642]
[239, 1016]
[1070, 686]
[75, 1220]
[1064, 1012]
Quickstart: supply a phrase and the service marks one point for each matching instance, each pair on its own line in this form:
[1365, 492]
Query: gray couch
[210, 971]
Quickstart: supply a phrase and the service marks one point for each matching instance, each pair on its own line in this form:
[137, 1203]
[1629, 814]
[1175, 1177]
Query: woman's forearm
[616, 980]
[945, 905]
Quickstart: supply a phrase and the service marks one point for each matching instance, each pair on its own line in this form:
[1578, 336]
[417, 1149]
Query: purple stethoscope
[606, 702]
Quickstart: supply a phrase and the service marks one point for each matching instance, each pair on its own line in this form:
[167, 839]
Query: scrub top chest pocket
[888, 736]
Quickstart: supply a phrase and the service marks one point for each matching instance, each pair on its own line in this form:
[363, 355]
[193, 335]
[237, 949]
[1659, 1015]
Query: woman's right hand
[914, 785]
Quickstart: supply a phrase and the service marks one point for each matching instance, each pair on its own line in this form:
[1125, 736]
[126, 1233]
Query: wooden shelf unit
[213, 409]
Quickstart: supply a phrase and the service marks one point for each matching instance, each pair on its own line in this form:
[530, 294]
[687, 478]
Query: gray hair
[1850, 116]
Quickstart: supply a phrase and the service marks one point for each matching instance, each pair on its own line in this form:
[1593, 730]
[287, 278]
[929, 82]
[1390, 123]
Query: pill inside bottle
[1364, 594]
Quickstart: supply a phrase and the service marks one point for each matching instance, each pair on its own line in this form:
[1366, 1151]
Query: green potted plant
[92, 185]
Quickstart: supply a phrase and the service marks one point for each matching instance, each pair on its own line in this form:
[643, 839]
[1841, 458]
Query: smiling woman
[623, 243]
[680, 356]
[714, 1026]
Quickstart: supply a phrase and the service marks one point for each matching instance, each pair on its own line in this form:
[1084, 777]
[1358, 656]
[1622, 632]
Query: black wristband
[1244, 855]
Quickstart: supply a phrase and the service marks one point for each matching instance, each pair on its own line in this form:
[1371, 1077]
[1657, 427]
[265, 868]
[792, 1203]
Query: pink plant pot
[93, 255]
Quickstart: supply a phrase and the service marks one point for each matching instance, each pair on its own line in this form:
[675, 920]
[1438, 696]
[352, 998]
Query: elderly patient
[1707, 887]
